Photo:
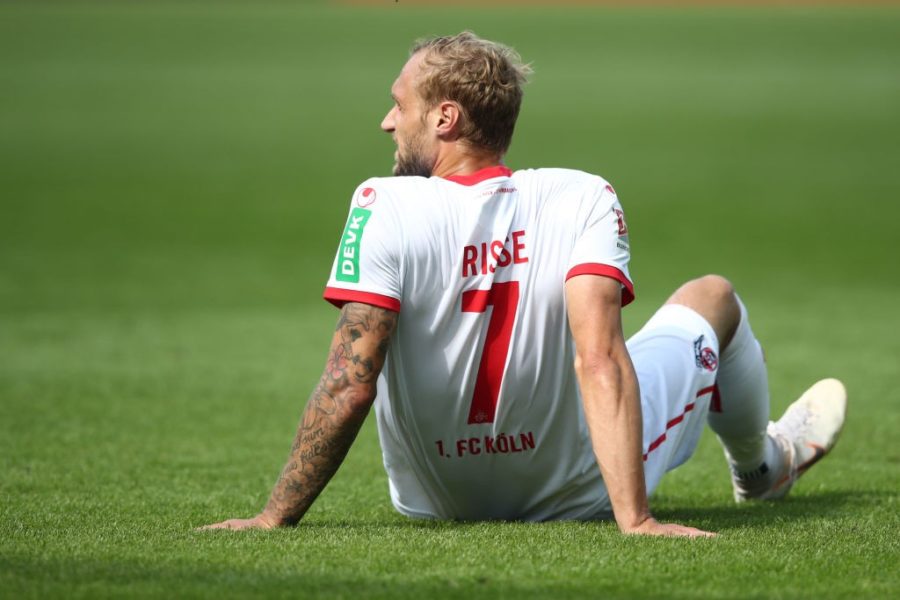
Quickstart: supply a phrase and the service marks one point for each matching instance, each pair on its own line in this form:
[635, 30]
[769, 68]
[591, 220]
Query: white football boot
[806, 432]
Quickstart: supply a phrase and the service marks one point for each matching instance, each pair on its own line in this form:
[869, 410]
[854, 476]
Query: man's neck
[464, 164]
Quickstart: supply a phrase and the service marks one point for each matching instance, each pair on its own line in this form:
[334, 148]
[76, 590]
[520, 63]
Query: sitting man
[482, 308]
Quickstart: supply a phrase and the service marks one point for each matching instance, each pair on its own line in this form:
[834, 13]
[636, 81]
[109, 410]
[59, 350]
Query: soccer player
[481, 315]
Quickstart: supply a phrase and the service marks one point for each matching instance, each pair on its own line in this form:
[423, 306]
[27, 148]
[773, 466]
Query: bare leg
[714, 299]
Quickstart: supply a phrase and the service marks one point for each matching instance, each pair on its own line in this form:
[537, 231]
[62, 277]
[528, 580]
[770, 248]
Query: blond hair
[483, 77]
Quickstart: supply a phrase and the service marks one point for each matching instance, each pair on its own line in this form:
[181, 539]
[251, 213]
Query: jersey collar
[482, 175]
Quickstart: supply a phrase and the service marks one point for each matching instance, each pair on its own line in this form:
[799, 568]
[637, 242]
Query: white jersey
[478, 407]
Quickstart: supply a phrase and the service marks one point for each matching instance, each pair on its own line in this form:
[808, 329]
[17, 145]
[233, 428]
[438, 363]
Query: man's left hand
[257, 522]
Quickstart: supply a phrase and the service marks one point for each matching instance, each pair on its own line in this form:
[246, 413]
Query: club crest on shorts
[705, 357]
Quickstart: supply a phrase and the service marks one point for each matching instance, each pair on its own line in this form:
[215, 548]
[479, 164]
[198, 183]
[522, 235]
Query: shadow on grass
[800, 508]
[791, 509]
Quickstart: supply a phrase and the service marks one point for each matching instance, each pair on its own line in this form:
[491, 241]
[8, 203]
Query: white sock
[741, 413]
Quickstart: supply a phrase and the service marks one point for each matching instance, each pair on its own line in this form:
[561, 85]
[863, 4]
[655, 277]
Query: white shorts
[676, 358]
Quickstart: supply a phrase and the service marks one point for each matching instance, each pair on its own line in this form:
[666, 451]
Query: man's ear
[448, 119]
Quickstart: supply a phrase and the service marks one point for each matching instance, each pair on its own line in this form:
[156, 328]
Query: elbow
[596, 365]
[357, 399]
[601, 375]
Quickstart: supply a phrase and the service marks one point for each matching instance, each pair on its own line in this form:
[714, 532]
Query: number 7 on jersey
[504, 298]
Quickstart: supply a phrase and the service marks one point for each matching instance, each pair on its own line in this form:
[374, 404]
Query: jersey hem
[606, 271]
[339, 297]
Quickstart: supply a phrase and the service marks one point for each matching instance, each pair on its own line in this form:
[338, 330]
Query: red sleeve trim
[339, 297]
[605, 271]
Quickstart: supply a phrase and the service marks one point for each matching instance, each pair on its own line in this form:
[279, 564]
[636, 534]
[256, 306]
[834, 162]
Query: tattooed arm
[334, 413]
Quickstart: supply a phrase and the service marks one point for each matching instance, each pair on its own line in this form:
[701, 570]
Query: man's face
[407, 122]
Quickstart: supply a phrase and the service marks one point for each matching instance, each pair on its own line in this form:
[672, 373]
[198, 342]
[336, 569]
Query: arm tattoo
[358, 320]
[334, 413]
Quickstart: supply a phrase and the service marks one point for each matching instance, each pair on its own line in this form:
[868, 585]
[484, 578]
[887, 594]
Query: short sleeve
[367, 264]
[602, 248]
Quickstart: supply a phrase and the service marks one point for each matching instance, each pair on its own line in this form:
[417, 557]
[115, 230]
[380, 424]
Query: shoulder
[400, 196]
[563, 177]
[567, 185]
[558, 174]
[392, 188]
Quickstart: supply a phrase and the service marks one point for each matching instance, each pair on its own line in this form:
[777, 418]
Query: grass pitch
[173, 182]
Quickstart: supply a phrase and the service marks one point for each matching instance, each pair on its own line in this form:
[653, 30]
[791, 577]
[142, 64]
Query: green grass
[173, 181]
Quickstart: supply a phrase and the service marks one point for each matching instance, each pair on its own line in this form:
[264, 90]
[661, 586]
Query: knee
[716, 289]
[710, 290]
[713, 297]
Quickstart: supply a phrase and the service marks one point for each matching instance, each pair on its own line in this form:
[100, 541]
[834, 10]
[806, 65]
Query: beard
[413, 161]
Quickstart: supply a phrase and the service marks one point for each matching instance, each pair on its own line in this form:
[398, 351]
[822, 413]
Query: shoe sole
[828, 397]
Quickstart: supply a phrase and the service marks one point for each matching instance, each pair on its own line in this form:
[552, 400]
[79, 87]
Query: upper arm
[366, 266]
[602, 246]
[594, 308]
[358, 350]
